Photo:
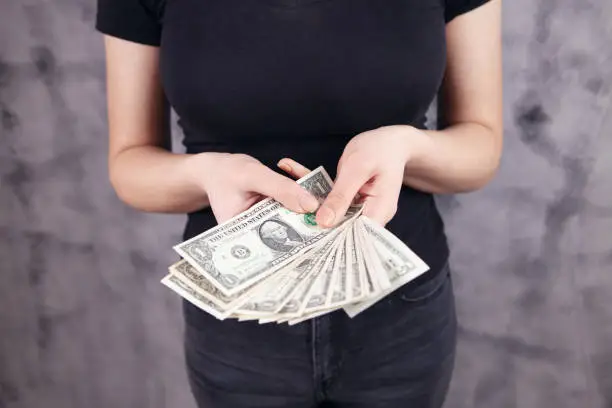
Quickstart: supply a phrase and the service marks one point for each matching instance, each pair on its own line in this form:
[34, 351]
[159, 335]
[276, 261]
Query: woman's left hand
[372, 165]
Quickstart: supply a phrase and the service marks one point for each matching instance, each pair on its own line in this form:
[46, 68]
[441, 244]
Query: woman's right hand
[234, 182]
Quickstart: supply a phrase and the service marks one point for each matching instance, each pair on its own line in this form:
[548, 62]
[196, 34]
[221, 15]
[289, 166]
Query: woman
[339, 83]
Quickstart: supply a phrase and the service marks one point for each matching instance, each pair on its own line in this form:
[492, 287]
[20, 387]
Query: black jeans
[399, 353]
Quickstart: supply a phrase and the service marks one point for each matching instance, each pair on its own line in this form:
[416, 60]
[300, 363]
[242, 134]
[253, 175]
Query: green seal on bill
[310, 219]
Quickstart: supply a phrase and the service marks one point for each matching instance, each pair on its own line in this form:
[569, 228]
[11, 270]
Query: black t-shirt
[297, 78]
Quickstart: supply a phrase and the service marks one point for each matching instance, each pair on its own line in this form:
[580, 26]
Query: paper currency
[272, 265]
[400, 264]
[254, 244]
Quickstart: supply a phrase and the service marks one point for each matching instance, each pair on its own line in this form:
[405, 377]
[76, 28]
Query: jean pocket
[428, 290]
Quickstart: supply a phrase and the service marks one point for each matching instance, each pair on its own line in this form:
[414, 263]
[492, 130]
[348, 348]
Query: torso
[299, 78]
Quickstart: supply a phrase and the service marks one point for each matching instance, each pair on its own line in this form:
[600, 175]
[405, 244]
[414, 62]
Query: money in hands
[273, 265]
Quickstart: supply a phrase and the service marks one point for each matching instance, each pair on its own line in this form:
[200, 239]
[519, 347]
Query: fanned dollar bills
[273, 265]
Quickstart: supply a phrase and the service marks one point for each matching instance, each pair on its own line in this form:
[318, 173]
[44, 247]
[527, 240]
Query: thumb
[351, 177]
[265, 181]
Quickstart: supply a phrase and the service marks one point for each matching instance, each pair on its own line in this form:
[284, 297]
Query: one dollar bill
[254, 244]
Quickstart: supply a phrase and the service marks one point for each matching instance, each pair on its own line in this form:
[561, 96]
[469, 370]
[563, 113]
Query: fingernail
[284, 166]
[327, 216]
[308, 202]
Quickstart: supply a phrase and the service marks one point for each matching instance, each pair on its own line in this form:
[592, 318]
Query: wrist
[197, 169]
[423, 148]
[414, 145]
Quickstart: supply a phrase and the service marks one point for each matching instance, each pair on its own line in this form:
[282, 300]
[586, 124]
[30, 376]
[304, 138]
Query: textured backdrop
[84, 321]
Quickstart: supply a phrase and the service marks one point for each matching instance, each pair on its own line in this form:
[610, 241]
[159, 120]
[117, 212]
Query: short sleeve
[132, 20]
[454, 8]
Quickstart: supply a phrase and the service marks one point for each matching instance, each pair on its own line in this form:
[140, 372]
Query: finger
[265, 181]
[383, 206]
[228, 207]
[292, 167]
[361, 199]
[351, 177]
[379, 209]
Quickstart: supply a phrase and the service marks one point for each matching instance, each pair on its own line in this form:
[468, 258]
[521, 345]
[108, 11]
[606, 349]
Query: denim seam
[316, 369]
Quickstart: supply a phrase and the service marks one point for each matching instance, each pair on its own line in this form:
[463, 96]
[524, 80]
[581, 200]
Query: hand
[234, 182]
[372, 166]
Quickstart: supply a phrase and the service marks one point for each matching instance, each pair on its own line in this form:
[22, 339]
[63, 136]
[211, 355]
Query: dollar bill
[366, 283]
[319, 274]
[399, 262]
[317, 294]
[285, 297]
[269, 264]
[380, 280]
[338, 293]
[200, 284]
[309, 316]
[254, 244]
[195, 298]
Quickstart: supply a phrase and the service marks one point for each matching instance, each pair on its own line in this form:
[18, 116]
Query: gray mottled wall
[85, 323]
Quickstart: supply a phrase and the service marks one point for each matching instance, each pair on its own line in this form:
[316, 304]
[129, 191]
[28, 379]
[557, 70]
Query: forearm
[152, 179]
[461, 158]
